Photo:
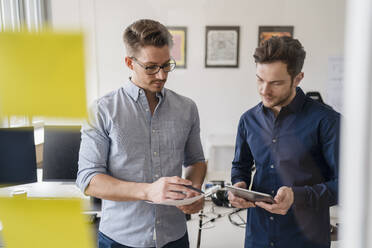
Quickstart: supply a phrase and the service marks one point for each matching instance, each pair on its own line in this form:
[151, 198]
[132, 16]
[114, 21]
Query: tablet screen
[250, 195]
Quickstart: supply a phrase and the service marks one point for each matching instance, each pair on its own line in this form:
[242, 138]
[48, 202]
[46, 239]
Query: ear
[129, 62]
[298, 78]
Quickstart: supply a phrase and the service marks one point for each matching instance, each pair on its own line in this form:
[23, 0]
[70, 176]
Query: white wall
[222, 95]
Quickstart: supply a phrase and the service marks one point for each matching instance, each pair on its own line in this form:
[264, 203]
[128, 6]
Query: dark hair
[284, 49]
[146, 32]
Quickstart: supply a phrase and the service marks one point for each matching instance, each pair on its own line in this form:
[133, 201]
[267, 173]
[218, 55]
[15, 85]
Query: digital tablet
[250, 195]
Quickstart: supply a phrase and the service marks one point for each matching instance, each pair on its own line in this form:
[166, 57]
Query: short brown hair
[284, 49]
[146, 32]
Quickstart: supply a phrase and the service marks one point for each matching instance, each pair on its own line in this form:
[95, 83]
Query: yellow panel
[42, 74]
[44, 223]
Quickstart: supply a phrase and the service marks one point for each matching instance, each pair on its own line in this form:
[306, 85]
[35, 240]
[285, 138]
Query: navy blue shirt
[299, 148]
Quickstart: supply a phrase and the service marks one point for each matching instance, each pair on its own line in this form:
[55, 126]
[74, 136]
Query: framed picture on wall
[222, 46]
[266, 32]
[178, 51]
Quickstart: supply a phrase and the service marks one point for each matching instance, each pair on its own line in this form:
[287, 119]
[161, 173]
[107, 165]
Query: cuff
[300, 196]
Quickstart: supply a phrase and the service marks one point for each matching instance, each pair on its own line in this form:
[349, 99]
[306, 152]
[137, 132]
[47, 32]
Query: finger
[174, 195]
[178, 180]
[241, 203]
[268, 207]
[191, 209]
[181, 189]
[191, 190]
[280, 195]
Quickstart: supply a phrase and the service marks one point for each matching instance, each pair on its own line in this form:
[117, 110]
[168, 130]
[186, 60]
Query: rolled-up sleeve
[94, 147]
[193, 149]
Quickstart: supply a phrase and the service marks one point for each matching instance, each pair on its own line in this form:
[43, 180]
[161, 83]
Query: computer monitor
[61, 153]
[17, 156]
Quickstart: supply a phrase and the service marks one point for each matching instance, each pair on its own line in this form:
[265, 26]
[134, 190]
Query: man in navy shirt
[293, 142]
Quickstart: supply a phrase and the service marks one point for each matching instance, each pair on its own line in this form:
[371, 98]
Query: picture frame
[222, 46]
[266, 32]
[179, 49]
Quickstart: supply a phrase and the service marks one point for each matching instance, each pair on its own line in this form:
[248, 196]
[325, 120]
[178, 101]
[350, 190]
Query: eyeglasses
[153, 69]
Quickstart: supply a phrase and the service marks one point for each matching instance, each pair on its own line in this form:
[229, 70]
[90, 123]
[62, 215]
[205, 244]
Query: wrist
[145, 192]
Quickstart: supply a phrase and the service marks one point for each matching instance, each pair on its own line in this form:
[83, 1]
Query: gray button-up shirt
[123, 140]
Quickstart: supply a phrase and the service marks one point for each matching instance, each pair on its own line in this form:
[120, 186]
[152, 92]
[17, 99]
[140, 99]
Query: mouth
[267, 99]
[158, 83]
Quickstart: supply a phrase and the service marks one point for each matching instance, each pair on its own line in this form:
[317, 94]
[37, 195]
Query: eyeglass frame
[171, 61]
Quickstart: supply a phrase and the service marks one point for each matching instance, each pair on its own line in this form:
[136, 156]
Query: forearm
[107, 187]
[196, 173]
[241, 173]
[316, 195]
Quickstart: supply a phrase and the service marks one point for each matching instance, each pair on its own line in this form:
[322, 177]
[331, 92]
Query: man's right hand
[239, 202]
[168, 188]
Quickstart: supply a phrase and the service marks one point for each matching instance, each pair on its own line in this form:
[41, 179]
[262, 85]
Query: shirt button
[271, 218]
[272, 166]
[271, 243]
[156, 175]
[274, 140]
[153, 130]
[147, 109]
[155, 153]
[158, 222]
[272, 191]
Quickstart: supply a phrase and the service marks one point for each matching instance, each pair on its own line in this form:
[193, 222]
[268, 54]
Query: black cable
[242, 225]
[200, 228]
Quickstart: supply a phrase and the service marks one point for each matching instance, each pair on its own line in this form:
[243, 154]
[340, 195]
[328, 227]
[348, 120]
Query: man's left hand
[283, 201]
[193, 207]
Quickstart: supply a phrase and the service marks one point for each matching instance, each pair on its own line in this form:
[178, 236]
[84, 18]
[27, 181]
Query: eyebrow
[275, 81]
[154, 63]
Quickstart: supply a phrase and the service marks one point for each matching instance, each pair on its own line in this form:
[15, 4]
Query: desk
[52, 190]
[46, 189]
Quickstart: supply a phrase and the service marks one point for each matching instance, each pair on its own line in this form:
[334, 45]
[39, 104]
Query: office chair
[61, 153]
[315, 95]
[17, 156]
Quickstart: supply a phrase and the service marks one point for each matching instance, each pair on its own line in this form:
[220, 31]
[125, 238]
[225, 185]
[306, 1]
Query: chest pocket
[174, 135]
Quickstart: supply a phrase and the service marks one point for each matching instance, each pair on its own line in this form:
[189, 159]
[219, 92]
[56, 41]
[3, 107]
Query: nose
[162, 75]
[264, 88]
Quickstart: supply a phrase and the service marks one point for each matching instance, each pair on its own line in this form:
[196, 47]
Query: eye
[151, 67]
[167, 66]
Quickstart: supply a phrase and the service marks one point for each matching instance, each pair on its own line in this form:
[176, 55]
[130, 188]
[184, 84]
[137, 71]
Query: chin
[268, 104]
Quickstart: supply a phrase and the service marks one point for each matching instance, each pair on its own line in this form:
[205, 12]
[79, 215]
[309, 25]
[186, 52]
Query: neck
[151, 96]
[276, 109]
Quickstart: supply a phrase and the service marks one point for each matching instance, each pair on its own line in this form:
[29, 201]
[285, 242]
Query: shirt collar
[134, 91]
[295, 105]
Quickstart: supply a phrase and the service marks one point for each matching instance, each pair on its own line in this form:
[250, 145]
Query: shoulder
[251, 113]
[179, 102]
[110, 98]
[175, 97]
[321, 111]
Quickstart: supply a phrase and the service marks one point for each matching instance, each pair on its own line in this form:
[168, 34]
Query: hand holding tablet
[250, 195]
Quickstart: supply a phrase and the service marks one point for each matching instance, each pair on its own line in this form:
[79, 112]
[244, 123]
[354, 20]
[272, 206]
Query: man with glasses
[135, 144]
